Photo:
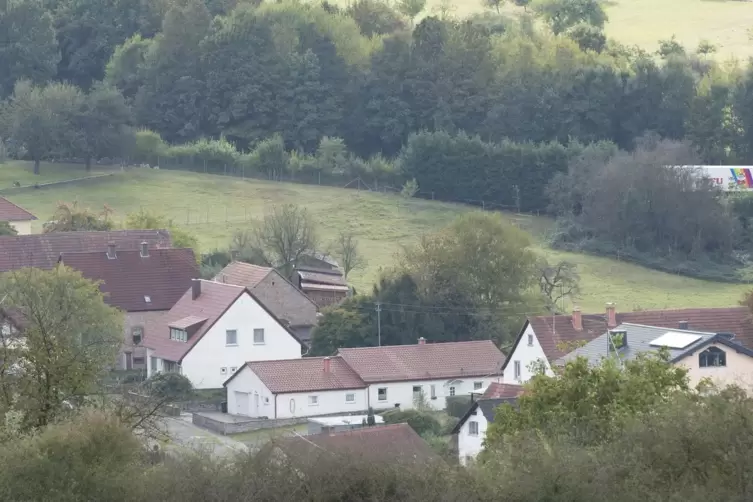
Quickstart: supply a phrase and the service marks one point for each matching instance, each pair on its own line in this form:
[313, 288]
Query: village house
[357, 379]
[714, 356]
[213, 330]
[470, 431]
[278, 294]
[323, 285]
[43, 250]
[296, 388]
[544, 339]
[18, 218]
[143, 283]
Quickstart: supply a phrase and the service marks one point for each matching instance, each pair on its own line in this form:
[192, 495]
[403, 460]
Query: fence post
[432, 195]
[225, 169]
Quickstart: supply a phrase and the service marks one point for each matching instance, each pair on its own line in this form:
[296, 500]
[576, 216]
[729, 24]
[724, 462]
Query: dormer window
[137, 333]
[179, 335]
[712, 357]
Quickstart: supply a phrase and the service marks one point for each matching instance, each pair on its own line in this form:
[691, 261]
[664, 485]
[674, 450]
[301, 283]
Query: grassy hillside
[645, 22]
[213, 206]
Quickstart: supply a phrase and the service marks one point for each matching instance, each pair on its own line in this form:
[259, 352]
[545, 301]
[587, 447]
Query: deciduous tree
[70, 217]
[285, 234]
[564, 14]
[346, 250]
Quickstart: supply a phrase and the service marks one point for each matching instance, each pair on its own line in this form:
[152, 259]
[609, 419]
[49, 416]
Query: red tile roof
[554, 330]
[11, 212]
[502, 391]
[423, 362]
[394, 444]
[242, 274]
[43, 250]
[214, 300]
[136, 283]
[307, 374]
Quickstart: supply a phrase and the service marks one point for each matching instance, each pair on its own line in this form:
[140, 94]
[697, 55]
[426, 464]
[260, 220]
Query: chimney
[195, 289]
[682, 324]
[327, 364]
[611, 316]
[144, 249]
[111, 250]
[577, 319]
[422, 341]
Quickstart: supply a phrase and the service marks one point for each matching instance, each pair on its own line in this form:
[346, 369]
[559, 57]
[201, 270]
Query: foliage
[410, 8]
[345, 249]
[7, 229]
[172, 386]
[285, 234]
[591, 404]
[146, 220]
[410, 189]
[374, 17]
[457, 406]
[565, 14]
[558, 282]
[148, 147]
[70, 337]
[70, 217]
[421, 421]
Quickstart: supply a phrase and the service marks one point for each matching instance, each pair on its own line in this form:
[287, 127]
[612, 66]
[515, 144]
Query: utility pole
[379, 323]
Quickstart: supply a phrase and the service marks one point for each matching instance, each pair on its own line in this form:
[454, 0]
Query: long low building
[357, 379]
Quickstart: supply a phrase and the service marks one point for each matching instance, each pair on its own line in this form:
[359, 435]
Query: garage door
[241, 404]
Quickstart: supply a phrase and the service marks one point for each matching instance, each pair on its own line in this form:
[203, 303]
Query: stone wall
[235, 427]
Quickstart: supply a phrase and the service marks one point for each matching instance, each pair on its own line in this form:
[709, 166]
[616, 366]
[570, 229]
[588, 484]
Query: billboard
[728, 178]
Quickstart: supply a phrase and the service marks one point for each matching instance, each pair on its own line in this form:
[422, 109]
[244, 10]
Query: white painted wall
[202, 365]
[527, 355]
[470, 446]
[22, 227]
[402, 392]
[329, 402]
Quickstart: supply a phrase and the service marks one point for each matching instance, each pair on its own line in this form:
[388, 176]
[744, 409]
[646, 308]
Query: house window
[233, 369]
[137, 334]
[138, 361]
[223, 371]
[170, 366]
[712, 357]
[259, 335]
[350, 398]
[313, 400]
[477, 385]
[473, 428]
[452, 391]
[382, 394]
[433, 391]
[231, 337]
[530, 340]
[154, 363]
[178, 335]
[517, 370]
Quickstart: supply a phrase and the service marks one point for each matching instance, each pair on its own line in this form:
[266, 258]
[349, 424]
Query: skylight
[147, 299]
[674, 340]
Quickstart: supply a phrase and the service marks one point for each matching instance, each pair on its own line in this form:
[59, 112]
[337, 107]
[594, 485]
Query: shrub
[172, 386]
[457, 406]
[423, 422]
[148, 147]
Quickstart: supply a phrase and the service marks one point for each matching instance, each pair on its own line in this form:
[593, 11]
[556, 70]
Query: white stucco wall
[526, 354]
[402, 392]
[738, 371]
[202, 365]
[22, 227]
[470, 446]
[329, 402]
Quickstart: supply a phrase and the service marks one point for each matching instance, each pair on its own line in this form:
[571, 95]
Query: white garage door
[241, 404]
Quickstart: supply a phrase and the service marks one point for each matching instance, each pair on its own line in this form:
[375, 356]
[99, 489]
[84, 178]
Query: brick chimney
[327, 365]
[111, 250]
[195, 289]
[144, 249]
[611, 315]
[422, 341]
[577, 319]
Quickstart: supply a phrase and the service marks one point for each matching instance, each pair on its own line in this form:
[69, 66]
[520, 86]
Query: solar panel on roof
[675, 340]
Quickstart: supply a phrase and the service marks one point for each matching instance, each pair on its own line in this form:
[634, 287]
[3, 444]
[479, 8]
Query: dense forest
[497, 108]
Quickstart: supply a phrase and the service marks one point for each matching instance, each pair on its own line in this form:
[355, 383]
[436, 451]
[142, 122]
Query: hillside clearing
[213, 207]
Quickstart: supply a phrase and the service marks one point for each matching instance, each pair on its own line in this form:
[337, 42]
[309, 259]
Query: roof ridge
[661, 328]
[435, 344]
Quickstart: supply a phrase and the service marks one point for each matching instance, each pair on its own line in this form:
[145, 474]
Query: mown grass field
[213, 206]
[645, 22]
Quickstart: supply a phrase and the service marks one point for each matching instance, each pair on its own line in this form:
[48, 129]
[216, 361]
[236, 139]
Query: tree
[146, 220]
[68, 338]
[339, 326]
[590, 403]
[669, 47]
[705, 48]
[558, 282]
[522, 3]
[41, 118]
[7, 229]
[345, 249]
[375, 17]
[102, 125]
[410, 8]
[494, 4]
[588, 38]
[28, 50]
[70, 217]
[564, 14]
[171, 386]
[285, 234]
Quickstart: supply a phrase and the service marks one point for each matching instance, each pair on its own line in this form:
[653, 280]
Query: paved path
[186, 435]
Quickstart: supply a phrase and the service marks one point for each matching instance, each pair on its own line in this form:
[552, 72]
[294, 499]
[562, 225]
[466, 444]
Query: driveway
[184, 434]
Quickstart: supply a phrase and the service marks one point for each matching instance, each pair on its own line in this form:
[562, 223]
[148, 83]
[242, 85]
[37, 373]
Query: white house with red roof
[213, 330]
[360, 378]
[18, 217]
